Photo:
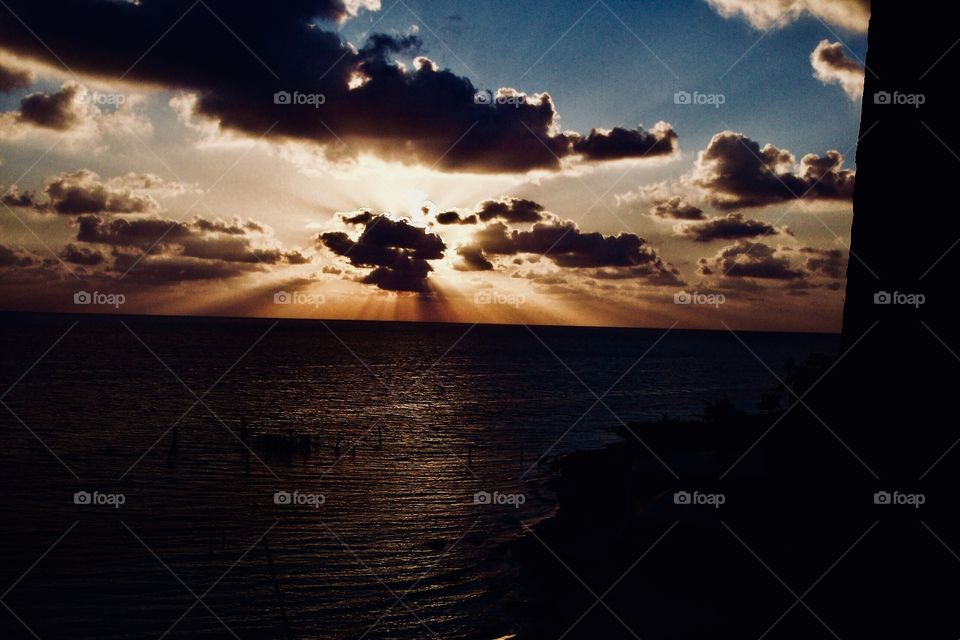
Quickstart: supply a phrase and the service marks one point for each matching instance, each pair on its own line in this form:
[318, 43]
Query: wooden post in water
[276, 590]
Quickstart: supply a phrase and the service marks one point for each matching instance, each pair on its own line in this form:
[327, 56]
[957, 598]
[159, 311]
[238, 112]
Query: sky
[607, 163]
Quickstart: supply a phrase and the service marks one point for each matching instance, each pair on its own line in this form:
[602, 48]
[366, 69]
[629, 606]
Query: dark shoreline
[662, 568]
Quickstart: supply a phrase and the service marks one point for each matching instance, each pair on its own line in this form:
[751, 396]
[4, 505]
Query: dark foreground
[790, 540]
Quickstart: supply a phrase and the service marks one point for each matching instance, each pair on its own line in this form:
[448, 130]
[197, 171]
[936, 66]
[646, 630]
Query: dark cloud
[12, 79]
[657, 273]
[398, 252]
[733, 226]
[510, 210]
[82, 191]
[163, 251]
[236, 227]
[82, 255]
[472, 259]
[831, 263]
[737, 172]
[619, 143]
[750, 260]
[452, 217]
[564, 243]
[567, 246]
[417, 114]
[359, 218]
[13, 197]
[16, 257]
[58, 111]
[130, 233]
[170, 269]
[676, 208]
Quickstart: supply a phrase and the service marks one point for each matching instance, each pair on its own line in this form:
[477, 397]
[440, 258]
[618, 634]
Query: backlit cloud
[737, 172]
[331, 92]
[397, 252]
[732, 226]
[770, 14]
[832, 66]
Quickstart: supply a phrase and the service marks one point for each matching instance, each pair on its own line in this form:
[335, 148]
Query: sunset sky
[544, 161]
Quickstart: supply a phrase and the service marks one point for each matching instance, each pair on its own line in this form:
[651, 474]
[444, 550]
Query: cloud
[12, 79]
[733, 226]
[152, 184]
[13, 197]
[510, 209]
[363, 217]
[171, 270]
[453, 217]
[564, 244]
[195, 239]
[676, 208]
[351, 8]
[736, 172]
[83, 191]
[419, 114]
[82, 255]
[768, 14]
[397, 252]
[831, 263]
[750, 260]
[799, 268]
[72, 113]
[10, 257]
[619, 143]
[164, 251]
[59, 111]
[236, 227]
[832, 66]
[472, 259]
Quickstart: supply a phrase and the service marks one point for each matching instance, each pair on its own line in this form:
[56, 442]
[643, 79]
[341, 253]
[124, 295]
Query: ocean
[328, 479]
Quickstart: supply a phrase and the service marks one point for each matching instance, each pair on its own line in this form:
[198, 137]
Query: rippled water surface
[426, 416]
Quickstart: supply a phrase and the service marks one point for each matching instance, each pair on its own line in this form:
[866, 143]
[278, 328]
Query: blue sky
[600, 74]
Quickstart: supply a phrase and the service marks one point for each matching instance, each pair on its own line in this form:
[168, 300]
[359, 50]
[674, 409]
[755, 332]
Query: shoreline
[613, 504]
[627, 555]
